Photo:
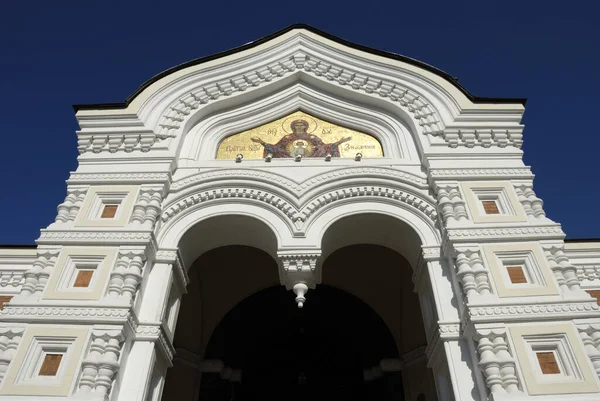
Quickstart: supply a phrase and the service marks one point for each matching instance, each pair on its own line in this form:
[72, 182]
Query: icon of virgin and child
[301, 143]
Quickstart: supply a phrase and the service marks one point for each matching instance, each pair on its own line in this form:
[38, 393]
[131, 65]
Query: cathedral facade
[301, 217]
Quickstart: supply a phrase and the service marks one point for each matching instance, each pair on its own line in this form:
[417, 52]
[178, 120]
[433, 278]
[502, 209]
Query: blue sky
[55, 54]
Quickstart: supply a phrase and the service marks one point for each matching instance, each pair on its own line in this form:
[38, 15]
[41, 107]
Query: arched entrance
[319, 351]
[240, 335]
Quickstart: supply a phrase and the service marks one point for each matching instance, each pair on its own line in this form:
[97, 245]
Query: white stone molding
[472, 274]
[154, 332]
[230, 193]
[117, 178]
[37, 277]
[101, 364]
[588, 272]
[590, 336]
[428, 253]
[450, 330]
[11, 280]
[300, 188]
[9, 341]
[586, 258]
[533, 310]
[506, 232]
[443, 332]
[17, 312]
[481, 174]
[147, 207]
[173, 257]
[451, 203]
[127, 140]
[564, 272]
[531, 203]
[300, 216]
[13, 265]
[126, 276]
[299, 271]
[51, 237]
[496, 362]
[408, 99]
[483, 137]
[67, 211]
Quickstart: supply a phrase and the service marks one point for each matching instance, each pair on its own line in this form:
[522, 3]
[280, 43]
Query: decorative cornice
[225, 193]
[105, 237]
[487, 173]
[450, 331]
[179, 111]
[172, 256]
[484, 137]
[127, 139]
[299, 188]
[300, 216]
[63, 314]
[444, 331]
[534, 312]
[153, 331]
[99, 178]
[505, 233]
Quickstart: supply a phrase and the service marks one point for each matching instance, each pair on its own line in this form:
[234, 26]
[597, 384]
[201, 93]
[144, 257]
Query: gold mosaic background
[272, 132]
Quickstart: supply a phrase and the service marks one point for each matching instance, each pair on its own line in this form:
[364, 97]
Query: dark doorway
[286, 353]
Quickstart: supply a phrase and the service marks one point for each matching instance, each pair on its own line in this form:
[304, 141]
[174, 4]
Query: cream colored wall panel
[91, 210]
[100, 260]
[576, 374]
[510, 207]
[541, 280]
[23, 374]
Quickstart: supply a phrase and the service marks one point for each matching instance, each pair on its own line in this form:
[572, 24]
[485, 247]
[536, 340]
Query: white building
[372, 188]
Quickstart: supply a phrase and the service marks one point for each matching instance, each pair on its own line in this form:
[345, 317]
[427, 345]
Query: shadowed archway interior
[285, 352]
[237, 313]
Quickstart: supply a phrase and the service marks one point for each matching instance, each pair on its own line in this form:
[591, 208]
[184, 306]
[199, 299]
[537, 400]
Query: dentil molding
[299, 216]
[481, 173]
[502, 233]
[63, 314]
[416, 105]
[534, 311]
[48, 237]
[117, 178]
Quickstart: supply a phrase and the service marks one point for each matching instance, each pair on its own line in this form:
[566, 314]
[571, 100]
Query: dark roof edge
[582, 240]
[18, 246]
[394, 56]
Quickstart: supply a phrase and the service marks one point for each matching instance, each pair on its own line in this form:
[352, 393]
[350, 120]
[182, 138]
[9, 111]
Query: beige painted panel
[476, 211]
[126, 207]
[99, 282]
[69, 373]
[538, 385]
[501, 279]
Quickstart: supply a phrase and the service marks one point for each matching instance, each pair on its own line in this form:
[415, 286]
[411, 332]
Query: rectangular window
[595, 294]
[83, 279]
[109, 211]
[490, 207]
[547, 361]
[51, 364]
[3, 300]
[516, 274]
